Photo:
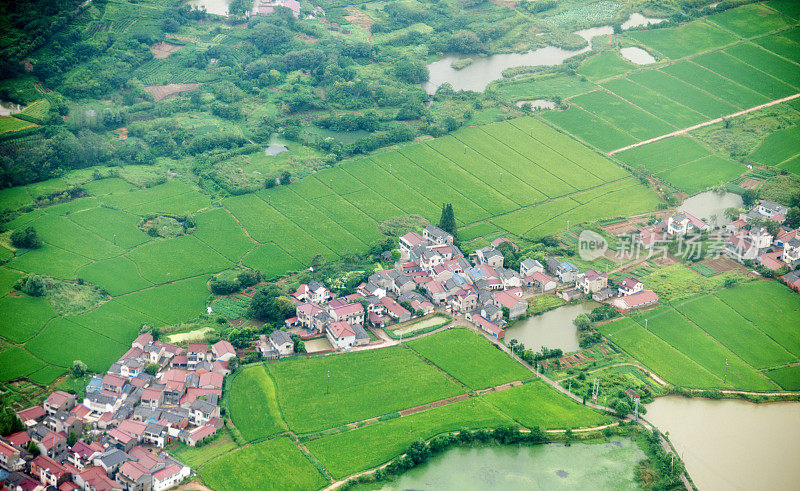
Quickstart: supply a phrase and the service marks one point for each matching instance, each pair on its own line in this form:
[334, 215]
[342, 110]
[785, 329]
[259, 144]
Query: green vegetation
[196, 457]
[352, 451]
[327, 391]
[543, 303]
[604, 65]
[534, 404]
[273, 464]
[657, 355]
[426, 324]
[253, 405]
[676, 42]
[452, 351]
[787, 377]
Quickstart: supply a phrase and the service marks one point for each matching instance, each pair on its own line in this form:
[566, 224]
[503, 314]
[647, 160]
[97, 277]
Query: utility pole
[636, 409]
[328, 384]
[570, 387]
[645, 324]
[595, 389]
[725, 377]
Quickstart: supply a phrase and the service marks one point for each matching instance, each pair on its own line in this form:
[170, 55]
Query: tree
[447, 222]
[731, 213]
[270, 304]
[411, 71]
[27, 238]
[318, 262]
[34, 285]
[793, 217]
[9, 422]
[233, 364]
[286, 177]
[621, 408]
[749, 197]
[395, 256]
[152, 368]
[33, 448]
[79, 369]
[72, 439]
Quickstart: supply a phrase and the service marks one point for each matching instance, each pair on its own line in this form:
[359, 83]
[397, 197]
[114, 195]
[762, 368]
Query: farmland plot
[590, 128]
[659, 356]
[656, 104]
[117, 275]
[253, 405]
[676, 42]
[702, 173]
[734, 331]
[709, 81]
[271, 260]
[733, 69]
[778, 147]
[750, 20]
[664, 154]
[679, 91]
[623, 115]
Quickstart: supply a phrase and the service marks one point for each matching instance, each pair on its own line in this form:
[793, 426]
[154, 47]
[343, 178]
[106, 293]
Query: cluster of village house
[122, 424]
[746, 238]
[433, 273]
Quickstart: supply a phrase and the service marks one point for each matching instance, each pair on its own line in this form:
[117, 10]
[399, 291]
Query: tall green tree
[448, 222]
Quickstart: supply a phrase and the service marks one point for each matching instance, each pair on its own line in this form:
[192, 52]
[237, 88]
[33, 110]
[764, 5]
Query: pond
[218, 7]
[637, 56]
[275, 149]
[9, 108]
[733, 444]
[606, 465]
[553, 329]
[637, 20]
[318, 344]
[484, 70]
[538, 104]
[711, 206]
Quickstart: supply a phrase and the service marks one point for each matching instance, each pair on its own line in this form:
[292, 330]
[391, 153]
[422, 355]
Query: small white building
[281, 342]
[340, 334]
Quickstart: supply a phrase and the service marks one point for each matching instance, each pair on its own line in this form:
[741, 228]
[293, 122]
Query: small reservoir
[711, 205]
[602, 465]
[637, 56]
[552, 329]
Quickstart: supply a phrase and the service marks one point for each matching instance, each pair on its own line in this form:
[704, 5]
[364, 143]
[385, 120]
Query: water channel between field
[711, 206]
[552, 329]
[486, 69]
[732, 444]
[606, 465]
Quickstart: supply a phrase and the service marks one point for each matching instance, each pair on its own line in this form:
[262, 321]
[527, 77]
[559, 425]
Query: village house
[341, 334]
[682, 223]
[31, 416]
[395, 310]
[281, 342]
[591, 281]
[516, 306]
[48, 471]
[58, 400]
[436, 235]
[490, 256]
[748, 243]
[530, 266]
[314, 292]
[640, 300]
[791, 252]
[196, 353]
[629, 286]
[567, 272]
[223, 350]
[10, 457]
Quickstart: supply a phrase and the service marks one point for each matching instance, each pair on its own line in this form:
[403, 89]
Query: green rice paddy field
[712, 67]
[374, 385]
[749, 343]
[519, 176]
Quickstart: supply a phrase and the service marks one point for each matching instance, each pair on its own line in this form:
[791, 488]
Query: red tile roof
[33, 412]
[341, 329]
[197, 348]
[644, 297]
[202, 432]
[19, 438]
[223, 348]
[167, 472]
[349, 309]
[58, 398]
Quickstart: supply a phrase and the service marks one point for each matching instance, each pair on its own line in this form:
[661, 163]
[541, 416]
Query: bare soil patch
[359, 18]
[723, 264]
[161, 92]
[164, 49]
[122, 133]
[751, 183]
[306, 38]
